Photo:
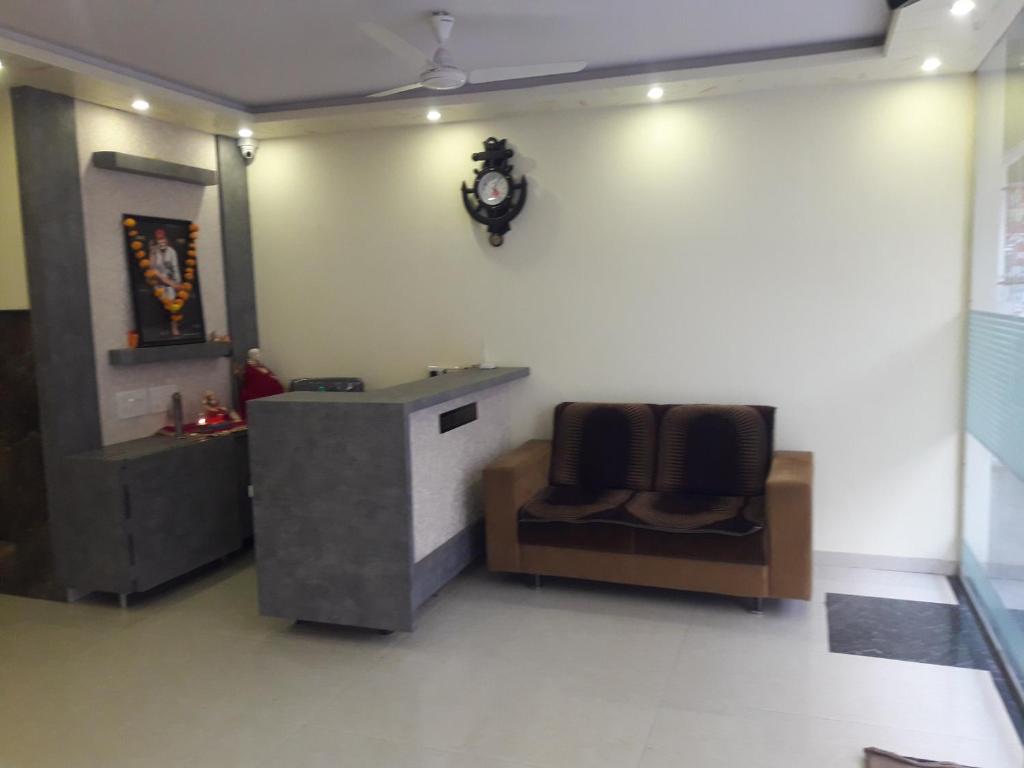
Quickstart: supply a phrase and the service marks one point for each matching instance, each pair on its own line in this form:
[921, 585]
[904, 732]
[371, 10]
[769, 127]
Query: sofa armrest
[509, 482]
[788, 500]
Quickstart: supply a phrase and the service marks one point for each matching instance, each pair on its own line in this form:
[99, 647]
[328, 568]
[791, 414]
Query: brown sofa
[688, 497]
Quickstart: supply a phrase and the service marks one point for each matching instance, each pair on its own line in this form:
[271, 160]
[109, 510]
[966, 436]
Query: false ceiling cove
[265, 55]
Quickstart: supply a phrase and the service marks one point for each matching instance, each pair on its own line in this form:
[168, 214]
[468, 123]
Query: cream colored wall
[799, 248]
[13, 280]
[106, 196]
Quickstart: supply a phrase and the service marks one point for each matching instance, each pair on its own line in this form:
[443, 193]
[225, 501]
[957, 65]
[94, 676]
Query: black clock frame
[497, 218]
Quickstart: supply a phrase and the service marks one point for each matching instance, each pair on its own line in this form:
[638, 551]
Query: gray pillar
[51, 211]
[239, 278]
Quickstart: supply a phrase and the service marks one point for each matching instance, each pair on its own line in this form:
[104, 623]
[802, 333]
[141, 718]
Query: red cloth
[257, 381]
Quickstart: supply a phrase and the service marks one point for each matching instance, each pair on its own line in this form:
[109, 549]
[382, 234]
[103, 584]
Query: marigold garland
[184, 292]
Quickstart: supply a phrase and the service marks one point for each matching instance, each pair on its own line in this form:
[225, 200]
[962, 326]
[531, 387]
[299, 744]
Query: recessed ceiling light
[962, 7]
[245, 133]
[433, 115]
[655, 93]
[931, 64]
[140, 104]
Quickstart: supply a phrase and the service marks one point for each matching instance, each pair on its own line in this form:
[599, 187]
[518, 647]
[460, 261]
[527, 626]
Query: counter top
[413, 396]
[146, 446]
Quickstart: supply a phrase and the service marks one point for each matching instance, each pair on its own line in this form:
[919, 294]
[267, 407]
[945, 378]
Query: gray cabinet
[149, 510]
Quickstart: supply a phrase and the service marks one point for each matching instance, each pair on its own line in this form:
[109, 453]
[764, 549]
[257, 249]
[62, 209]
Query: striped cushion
[604, 445]
[693, 513]
[718, 450]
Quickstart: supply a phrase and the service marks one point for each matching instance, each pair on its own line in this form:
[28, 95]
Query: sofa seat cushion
[626, 540]
[667, 513]
[572, 503]
[693, 513]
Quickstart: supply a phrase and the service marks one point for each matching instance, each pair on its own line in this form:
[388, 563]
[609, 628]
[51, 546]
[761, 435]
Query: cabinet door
[89, 531]
[184, 509]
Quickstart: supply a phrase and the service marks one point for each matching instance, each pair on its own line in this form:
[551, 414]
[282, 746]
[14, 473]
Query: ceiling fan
[441, 72]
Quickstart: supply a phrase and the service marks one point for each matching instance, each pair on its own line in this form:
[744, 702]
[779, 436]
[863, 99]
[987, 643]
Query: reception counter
[367, 503]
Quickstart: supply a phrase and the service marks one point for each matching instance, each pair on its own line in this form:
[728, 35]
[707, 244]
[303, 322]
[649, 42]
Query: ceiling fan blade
[393, 91]
[496, 74]
[397, 44]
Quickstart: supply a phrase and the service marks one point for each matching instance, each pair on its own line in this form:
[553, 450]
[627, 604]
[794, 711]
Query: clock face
[492, 188]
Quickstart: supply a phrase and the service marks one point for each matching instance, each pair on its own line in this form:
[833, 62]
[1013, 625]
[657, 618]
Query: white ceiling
[686, 45]
[270, 53]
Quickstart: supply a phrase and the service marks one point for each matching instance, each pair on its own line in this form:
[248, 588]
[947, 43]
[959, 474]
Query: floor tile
[496, 675]
[762, 738]
[546, 721]
[317, 747]
[922, 587]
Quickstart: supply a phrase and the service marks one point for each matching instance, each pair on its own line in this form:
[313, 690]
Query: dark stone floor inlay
[908, 630]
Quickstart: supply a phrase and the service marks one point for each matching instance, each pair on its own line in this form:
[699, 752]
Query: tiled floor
[569, 676]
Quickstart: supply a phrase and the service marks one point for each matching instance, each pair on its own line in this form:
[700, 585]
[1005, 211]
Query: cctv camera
[248, 147]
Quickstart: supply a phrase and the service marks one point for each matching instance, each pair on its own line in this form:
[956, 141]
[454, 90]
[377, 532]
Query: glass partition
[992, 560]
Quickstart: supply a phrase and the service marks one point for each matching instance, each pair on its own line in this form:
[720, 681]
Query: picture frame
[163, 279]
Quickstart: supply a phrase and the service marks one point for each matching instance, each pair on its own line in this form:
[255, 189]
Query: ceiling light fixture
[433, 115]
[245, 133]
[962, 7]
[655, 93]
[931, 64]
[140, 105]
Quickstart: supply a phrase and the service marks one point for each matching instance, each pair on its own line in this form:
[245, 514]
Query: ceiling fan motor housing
[442, 74]
[443, 77]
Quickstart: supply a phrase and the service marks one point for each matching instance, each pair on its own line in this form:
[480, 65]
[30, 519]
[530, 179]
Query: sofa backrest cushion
[604, 445]
[722, 450]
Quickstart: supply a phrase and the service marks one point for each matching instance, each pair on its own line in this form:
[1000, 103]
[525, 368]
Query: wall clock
[495, 197]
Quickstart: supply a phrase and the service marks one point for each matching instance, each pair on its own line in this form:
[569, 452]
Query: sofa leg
[755, 605]
[534, 580]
